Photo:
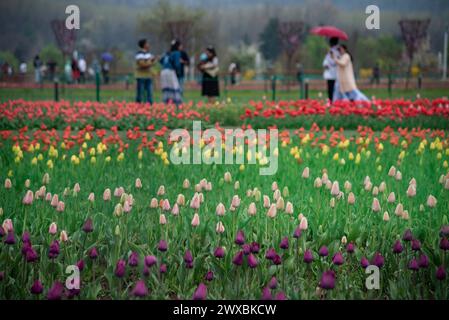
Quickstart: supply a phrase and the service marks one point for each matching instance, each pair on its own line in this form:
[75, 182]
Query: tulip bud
[28, 199]
[399, 210]
[196, 220]
[53, 229]
[235, 201]
[411, 191]
[266, 202]
[220, 210]
[166, 205]
[180, 200]
[27, 183]
[280, 205]
[392, 171]
[257, 195]
[376, 205]
[351, 198]
[186, 184]
[303, 225]
[162, 219]
[237, 185]
[7, 225]
[317, 183]
[431, 201]
[271, 213]
[107, 195]
[348, 186]
[63, 237]
[252, 209]
[154, 204]
[91, 197]
[161, 191]
[344, 240]
[398, 175]
[220, 227]
[195, 202]
[335, 189]
[118, 210]
[276, 195]
[117, 231]
[48, 197]
[289, 208]
[227, 177]
[386, 216]
[127, 207]
[391, 197]
[375, 191]
[8, 183]
[54, 201]
[60, 207]
[274, 186]
[76, 188]
[285, 192]
[175, 210]
[382, 187]
[306, 173]
[405, 215]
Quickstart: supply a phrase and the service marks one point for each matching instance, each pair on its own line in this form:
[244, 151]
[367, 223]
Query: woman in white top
[345, 88]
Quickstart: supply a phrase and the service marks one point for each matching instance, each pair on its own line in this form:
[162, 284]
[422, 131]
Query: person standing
[171, 65]
[330, 67]
[209, 67]
[185, 62]
[37, 64]
[75, 70]
[82, 65]
[346, 88]
[144, 62]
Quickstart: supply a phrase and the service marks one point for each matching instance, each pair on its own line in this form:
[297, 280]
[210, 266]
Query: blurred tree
[313, 51]
[10, 58]
[51, 53]
[270, 41]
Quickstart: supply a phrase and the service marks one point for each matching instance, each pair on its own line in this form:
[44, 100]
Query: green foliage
[51, 53]
[270, 40]
[8, 56]
[313, 52]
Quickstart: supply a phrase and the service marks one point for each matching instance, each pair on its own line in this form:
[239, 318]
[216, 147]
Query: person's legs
[139, 89]
[330, 89]
[148, 89]
[181, 85]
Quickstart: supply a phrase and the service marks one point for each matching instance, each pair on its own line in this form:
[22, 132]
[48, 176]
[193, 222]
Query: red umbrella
[329, 31]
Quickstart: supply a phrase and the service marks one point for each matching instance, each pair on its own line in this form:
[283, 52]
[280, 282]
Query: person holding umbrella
[330, 67]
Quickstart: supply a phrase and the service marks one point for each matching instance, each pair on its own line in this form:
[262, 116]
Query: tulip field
[89, 189]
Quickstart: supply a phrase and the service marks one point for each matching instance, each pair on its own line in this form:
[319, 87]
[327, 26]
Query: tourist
[144, 61]
[171, 65]
[209, 67]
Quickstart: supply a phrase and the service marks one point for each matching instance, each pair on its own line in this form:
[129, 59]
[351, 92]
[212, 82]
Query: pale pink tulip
[195, 202]
[76, 188]
[368, 185]
[303, 225]
[411, 191]
[227, 177]
[138, 183]
[7, 225]
[376, 205]
[392, 171]
[118, 210]
[274, 186]
[375, 191]
[399, 210]
[351, 198]
[154, 204]
[237, 185]
[107, 195]
[324, 178]
[63, 237]
[91, 197]
[249, 193]
[412, 182]
[28, 199]
[348, 186]
[175, 210]
[235, 201]
[220, 227]
[289, 208]
[431, 201]
[391, 197]
[181, 200]
[252, 209]
[220, 210]
[186, 184]
[344, 240]
[386, 216]
[127, 207]
[53, 229]
[201, 197]
[271, 213]
[318, 183]
[306, 173]
[266, 202]
[161, 191]
[203, 183]
[405, 215]
[162, 219]
[54, 201]
[198, 188]
[366, 180]
[209, 186]
[332, 203]
[48, 197]
[382, 187]
[398, 175]
[46, 178]
[27, 183]
[280, 204]
[196, 220]
[335, 189]
[276, 195]
[166, 205]
[60, 207]
[8, 183]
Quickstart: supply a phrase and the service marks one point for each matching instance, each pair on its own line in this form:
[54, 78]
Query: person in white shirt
[82, 66]
[330, 67]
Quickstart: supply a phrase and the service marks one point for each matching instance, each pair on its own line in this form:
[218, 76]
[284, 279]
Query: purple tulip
[88, 226]
[200, 292]
[10, 239]
[364, 262]
[444, 244]
[255, 247]
[277, 260]
[284, 243]
[209, 275]
[26, 237]
[328, 280]
[188, 258]
[441, 273]
[397, 247]
[54, 250]
[150, 261]
[2, 232]
[240, 238]
[408, 236]
[25, 247]
[80, 265]
[246, 249]
[163, 268]
[413, 265]
[416, 245]
[350, 248]
[93, 253]
[323, 252]
[297, 233]
[238, 258]
[219, 252]
[252, 261]
[271, 253]
[37, 287]
[55, 292]
[378, 260]
[162, 246]
[308, 256]
[444, 231]
[71, 293]
[31, 255]
[338, 259]
[120, 268]
[266, 294]
[145, 271]
[133, 259]
[281, 296]
[140, 290]
[423, 261]
[273, 284]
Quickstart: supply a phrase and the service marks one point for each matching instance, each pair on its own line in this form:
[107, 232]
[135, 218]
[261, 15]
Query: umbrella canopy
[106, 56]
[329, 31]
